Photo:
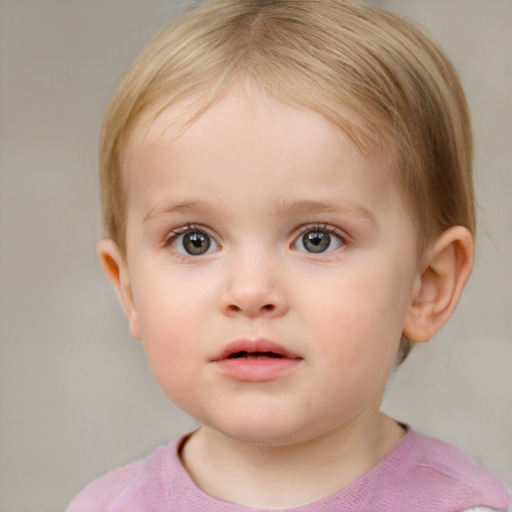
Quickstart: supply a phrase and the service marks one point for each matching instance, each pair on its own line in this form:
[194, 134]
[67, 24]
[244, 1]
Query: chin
[264, 431]
[260, 438]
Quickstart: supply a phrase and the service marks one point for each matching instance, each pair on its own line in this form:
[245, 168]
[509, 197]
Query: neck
[286, 476]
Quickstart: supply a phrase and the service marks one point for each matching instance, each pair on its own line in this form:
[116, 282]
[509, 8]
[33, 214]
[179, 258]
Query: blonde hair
[332, 56]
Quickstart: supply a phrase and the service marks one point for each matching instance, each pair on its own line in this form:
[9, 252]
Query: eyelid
[323, 226]
[189, 228]
[314, 226]
[328, 228]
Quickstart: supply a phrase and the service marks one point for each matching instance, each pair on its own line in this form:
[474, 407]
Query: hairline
[144, 124]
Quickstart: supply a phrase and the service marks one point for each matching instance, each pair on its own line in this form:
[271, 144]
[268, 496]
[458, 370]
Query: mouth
[256, 349]
[242, 354]
[256, 361]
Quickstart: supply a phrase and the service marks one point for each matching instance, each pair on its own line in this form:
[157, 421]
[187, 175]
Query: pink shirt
[420, 474]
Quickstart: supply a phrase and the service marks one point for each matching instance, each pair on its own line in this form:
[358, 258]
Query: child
[288, 207]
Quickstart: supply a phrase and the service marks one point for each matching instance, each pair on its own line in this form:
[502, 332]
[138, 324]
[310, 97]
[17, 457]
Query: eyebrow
[314, 206]
[182, 206]
[283, 208]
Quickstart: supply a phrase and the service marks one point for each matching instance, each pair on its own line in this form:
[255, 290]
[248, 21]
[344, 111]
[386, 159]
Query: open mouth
[242, 354]
[261, 349]
[256, 360]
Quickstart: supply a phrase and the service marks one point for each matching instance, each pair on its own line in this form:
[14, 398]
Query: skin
[255, 176]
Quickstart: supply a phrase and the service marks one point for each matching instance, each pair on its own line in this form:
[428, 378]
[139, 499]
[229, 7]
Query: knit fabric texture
[421, 474]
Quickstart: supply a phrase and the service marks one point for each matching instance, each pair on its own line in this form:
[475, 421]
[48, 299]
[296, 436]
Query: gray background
[77, 397]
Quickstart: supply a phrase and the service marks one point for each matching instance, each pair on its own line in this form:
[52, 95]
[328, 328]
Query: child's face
[262, 228]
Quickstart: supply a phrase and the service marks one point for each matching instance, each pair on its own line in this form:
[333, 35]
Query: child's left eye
[318, 240]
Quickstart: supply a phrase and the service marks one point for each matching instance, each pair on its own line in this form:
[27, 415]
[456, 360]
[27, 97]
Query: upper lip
[260, 345]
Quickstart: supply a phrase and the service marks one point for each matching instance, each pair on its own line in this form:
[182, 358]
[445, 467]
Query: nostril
[236, 309]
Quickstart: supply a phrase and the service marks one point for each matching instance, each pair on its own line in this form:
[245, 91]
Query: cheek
[359, 313]
[176, 317]
[164, 321]
[171, 346]
[167, 300]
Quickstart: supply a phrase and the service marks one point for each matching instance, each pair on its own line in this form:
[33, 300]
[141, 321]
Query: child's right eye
[192, 242]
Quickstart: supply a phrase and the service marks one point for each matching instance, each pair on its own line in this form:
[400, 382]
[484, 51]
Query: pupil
[316, 241]
[196, 243]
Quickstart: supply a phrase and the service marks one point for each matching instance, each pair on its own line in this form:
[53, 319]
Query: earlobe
[446, 269]
[114, 266]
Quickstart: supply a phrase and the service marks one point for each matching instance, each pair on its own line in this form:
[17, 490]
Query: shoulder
[452, 465]
[139, 485]
[442, 475]
[105, 492]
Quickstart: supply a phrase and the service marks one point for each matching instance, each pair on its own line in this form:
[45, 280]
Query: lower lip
[257, 370]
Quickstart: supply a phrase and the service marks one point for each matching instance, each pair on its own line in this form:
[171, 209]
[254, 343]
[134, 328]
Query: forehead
[251, 146]
[253, 121]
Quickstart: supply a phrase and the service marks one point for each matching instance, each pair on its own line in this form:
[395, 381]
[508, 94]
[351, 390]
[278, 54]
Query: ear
[447, 266]
[114, 266]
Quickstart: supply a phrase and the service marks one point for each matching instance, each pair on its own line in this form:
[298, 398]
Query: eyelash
[332, 230]
[189, 228]
[324, 227]
[195, 228]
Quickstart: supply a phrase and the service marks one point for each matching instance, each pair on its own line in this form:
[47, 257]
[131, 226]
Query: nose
[252, 289]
